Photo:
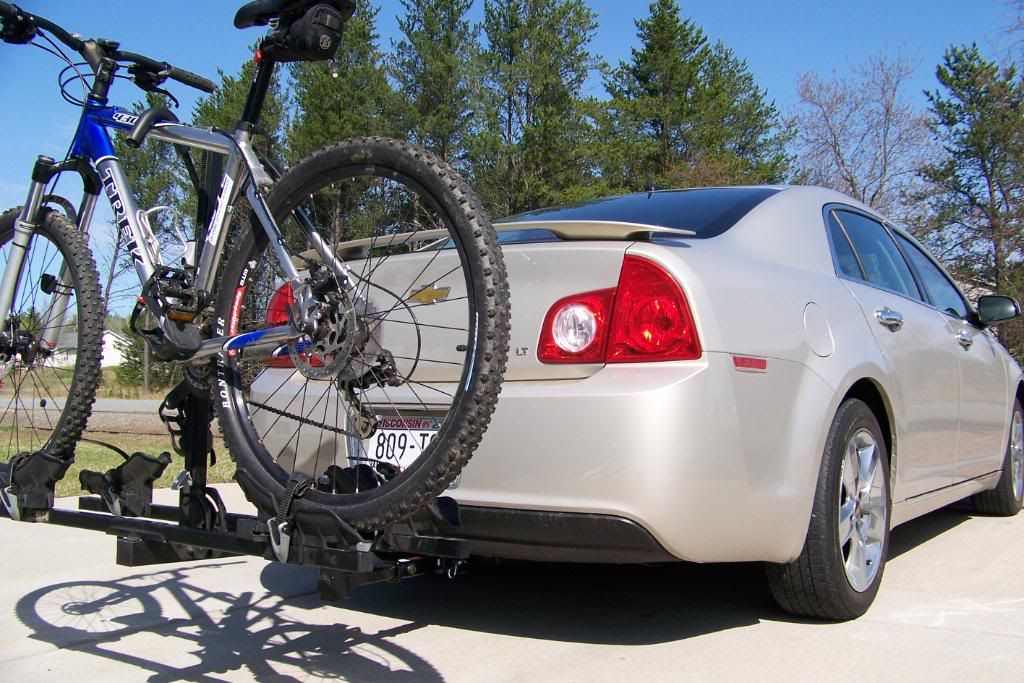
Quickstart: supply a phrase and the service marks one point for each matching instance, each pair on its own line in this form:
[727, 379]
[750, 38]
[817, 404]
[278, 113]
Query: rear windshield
[706, 211]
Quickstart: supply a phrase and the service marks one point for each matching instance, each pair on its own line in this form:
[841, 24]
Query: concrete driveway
[951, 608]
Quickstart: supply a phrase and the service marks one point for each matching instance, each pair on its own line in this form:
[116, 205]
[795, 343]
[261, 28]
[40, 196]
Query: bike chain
[302, 420]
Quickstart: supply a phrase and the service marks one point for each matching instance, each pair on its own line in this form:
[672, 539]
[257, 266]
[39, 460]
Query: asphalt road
[951, 608]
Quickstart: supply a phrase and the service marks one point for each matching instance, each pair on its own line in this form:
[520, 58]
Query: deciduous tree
[860, 134]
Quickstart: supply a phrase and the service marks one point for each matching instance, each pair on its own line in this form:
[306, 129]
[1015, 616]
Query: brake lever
[172, 98]
[151, 81]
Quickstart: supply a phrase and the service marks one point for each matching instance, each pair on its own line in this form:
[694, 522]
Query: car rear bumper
[715, 464]
[557, 536]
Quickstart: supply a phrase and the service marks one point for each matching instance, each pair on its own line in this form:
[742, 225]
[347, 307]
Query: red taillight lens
[645, 318]
[279, 308]
[279, 313]
[652, 319]
[576, 328]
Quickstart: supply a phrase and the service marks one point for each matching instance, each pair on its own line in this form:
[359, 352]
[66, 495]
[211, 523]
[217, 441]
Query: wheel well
[868, 391]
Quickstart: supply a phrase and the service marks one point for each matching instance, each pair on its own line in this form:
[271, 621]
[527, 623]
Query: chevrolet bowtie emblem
[430, 294]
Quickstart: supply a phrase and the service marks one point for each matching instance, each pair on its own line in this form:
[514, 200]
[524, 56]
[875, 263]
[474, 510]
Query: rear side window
[881, 262]
[942, 293]
[846, 260]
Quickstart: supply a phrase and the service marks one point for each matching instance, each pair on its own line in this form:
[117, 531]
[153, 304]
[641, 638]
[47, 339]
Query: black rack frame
[418, 545]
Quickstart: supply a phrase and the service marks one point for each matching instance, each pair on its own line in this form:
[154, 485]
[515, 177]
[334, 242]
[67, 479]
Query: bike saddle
[260, 12]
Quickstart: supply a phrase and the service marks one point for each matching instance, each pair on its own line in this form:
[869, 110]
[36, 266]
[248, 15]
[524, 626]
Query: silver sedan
[769, 374]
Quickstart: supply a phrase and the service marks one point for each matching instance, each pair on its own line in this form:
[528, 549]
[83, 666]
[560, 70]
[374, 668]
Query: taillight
[576, 328]
[645, 318]
[652, 319]
[279, 313]
[279, 308]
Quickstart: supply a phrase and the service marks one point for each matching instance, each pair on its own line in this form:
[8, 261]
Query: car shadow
[596, 604]
[910, 535]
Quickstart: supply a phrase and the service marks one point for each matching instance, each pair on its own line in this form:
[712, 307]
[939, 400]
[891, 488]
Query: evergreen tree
[688, 113]
[530, 145]
[131, 371]
[432, 66]
[344, 98]
[978, 201]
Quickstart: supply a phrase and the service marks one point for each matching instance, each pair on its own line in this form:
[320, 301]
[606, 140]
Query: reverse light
[576, 328]
[645, 318]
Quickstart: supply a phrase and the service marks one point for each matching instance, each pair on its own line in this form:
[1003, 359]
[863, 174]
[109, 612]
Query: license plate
[400, 441]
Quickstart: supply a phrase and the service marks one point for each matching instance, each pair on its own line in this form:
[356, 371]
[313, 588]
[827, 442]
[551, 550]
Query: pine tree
[432, 66]
[689, 113]
[978, 200]
[344, 98]
[532, 132]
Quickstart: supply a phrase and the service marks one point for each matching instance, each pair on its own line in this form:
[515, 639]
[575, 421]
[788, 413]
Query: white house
[67, 349]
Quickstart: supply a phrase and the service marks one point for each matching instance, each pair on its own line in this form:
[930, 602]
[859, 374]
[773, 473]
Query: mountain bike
[351, 325]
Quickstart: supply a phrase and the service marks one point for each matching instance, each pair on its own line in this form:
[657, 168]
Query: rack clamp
[26, 484]
[282, 525]
[128, 488]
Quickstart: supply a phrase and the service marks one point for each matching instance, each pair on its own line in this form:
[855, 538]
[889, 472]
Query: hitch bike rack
[201, 528]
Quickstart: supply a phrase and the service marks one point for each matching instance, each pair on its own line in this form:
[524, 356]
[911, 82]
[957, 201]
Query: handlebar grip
[192, 80]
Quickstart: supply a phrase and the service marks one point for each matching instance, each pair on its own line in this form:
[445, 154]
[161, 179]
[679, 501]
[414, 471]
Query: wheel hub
[339, 334]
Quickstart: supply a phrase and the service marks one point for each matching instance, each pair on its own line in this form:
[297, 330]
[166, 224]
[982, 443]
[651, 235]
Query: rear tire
[1007, 498]
[391, 196]
[838, 573]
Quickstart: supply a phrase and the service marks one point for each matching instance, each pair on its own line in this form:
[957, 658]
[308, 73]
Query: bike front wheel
[383, 403]
[52, 341]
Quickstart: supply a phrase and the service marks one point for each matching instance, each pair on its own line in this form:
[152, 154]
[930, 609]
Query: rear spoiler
[596, 230]
[566, 230]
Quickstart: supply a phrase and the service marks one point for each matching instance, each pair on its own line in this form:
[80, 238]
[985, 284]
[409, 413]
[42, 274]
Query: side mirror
[995, 308]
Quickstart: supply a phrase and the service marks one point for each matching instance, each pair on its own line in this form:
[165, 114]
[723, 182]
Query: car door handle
[890, 318]
[965, 340]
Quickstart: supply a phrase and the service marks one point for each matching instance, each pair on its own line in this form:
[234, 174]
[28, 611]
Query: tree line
[505, 102]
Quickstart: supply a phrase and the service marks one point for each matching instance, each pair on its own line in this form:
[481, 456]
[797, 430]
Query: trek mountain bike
[351, 325]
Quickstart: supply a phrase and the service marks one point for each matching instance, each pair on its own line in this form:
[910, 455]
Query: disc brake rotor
[339, 336]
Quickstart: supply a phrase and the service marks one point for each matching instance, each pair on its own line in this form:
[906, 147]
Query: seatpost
[257, 92]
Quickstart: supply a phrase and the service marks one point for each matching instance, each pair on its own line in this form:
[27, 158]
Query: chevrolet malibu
[772, 374]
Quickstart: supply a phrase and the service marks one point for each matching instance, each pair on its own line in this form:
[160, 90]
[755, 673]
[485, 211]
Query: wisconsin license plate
[401, 440]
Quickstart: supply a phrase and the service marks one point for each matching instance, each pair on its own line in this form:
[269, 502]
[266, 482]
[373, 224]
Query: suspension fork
[24, 225]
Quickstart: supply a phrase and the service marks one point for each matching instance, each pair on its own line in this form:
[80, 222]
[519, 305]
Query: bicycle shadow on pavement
[211, 631]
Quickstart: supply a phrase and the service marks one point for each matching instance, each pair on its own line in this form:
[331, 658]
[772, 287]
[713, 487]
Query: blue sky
[779, 40]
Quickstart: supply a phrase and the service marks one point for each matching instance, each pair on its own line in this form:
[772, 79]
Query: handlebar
[88, 48]
[167, 70]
